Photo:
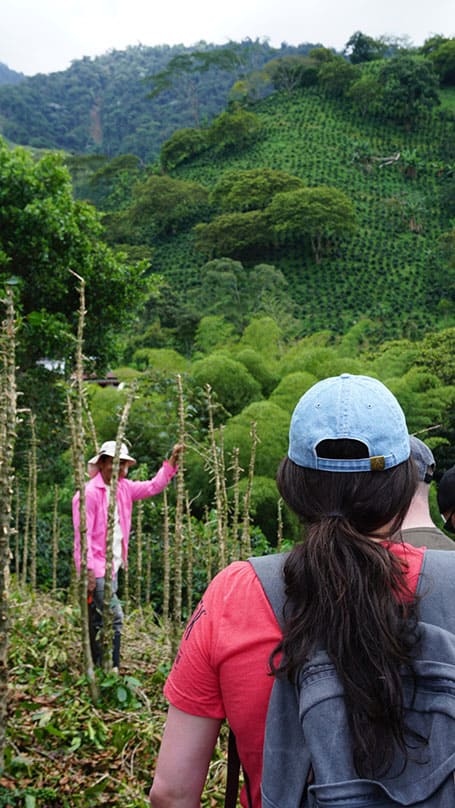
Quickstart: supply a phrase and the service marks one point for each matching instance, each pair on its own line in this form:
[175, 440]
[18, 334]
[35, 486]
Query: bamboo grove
[192, 550]
[223, 535]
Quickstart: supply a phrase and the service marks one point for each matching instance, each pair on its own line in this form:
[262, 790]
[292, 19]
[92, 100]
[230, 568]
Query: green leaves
[235, 129]
[162, 205]
[43, 233]
[252, 189]
[317, 214]
[336, 76]
[410, 88]
[363, 48]
[443, 58]
[122, 693]
[233, 234]
[181, 146]
[233, 385]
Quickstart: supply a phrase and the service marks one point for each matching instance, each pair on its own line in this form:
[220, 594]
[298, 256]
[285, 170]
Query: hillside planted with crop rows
[391, 268]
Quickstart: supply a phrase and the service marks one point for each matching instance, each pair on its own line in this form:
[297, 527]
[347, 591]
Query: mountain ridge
[56, 111]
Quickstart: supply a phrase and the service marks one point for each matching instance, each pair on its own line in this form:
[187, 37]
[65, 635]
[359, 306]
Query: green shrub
[233, 385]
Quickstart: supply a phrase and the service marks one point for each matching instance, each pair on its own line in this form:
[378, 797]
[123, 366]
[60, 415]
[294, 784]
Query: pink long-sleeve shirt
[96, 503]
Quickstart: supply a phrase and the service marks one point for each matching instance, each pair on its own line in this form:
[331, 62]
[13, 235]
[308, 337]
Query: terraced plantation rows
[390, 268]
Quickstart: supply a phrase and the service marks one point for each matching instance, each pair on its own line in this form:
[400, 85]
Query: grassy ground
[63, 750]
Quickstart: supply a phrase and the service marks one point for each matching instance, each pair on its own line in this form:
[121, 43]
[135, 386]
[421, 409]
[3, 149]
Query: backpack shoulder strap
[436, 588]
[436, 585]
[269, 570]
[284, 742]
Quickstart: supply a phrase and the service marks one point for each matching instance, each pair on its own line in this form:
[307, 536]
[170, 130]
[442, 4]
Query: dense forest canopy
[132, 101]
[245, 188]
[107, 104]
[44, 233]
[8, 76]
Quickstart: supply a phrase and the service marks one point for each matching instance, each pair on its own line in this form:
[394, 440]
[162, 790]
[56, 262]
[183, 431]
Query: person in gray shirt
[418, 527]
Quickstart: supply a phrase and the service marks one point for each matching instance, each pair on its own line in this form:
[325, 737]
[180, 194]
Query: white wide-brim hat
[108, 448]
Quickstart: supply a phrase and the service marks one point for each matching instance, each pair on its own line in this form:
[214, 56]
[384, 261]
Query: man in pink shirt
[97, 493]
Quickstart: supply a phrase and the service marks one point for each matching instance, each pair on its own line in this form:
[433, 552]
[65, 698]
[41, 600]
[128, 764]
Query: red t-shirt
[221, 669]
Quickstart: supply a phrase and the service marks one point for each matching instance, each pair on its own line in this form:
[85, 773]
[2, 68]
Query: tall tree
[318, 214]
[233, 234]
[409, 88]
[182, 145]
[363, 48]
[336, 77]
[76, 423]
[251, 189]
[443, 59]
[163, 206]
[43, 233]
[288, 73]
[234, 129]
[186, 68]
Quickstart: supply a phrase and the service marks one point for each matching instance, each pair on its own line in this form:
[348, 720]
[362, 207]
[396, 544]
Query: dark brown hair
[350, 593]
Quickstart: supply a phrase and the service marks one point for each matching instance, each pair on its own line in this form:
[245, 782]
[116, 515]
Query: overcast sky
[42, 36]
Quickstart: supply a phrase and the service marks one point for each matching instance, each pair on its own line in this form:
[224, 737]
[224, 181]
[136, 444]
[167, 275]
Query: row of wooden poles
[77, 422]
[226, 525]
[228, 522]
[232, 528]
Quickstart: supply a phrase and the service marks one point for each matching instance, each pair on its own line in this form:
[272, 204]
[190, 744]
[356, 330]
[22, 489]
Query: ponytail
[349, 594]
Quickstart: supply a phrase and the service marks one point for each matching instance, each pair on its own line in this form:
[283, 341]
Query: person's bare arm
[183, 761]
[91, 582]
[176, 452]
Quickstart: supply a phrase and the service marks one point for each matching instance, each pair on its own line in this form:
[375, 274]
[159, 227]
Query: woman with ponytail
[349, 591]
[349, 586]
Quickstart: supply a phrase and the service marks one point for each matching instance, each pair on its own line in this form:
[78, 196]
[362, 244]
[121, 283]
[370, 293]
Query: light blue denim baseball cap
[355, 407]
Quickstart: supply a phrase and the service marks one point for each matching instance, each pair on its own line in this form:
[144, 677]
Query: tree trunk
[208, 535]
[126, 590]
[166, 561]
[139, 522]
[148, 568]
[189, 557]
[16, 531]
[107, 629]
[78, 447]
[28, 510]
[246, 540]
[179, 505]
[33, 503]
[8, 400]
[217, 472]
[234, 550]
[55, 540]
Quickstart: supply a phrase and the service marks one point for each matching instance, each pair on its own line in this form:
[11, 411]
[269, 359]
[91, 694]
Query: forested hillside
[322, 193]
[387, 256]
[103, 104]
[8, 76]
[392, 266]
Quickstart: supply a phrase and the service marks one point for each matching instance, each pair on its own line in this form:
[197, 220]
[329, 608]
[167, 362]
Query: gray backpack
[307, 753]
